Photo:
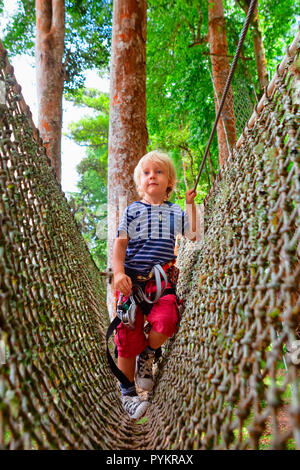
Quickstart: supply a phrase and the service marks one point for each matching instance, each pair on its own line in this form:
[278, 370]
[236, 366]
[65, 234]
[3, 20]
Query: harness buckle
[126, 311]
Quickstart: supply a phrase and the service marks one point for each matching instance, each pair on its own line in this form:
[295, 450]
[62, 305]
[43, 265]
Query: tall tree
[127, 125]
[50, 73]
[87, 36]
[64, 49]
[220, 68]
[259, 50]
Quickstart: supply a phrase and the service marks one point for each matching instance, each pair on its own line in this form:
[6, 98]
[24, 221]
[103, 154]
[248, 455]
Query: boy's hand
[190, 196]
[122, 283]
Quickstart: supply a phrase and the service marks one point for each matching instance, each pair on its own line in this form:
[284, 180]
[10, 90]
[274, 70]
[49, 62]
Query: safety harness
[126, 311]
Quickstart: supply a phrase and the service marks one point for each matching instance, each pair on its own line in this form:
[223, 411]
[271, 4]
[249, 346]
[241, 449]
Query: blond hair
[162, 159]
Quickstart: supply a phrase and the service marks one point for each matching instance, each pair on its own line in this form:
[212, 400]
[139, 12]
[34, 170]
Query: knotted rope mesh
[220, 381]
[239, 102]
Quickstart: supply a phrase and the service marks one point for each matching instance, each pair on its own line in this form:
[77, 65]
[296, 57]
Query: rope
[228, 82]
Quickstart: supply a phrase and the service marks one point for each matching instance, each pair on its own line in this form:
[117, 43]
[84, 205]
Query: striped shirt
[152, 233]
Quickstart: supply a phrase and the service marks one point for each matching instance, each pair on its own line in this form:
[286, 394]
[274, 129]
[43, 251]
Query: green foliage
[180, 96]
[87, 36]
[20, 31]
[278, 20]
[89, 203]
[90, 130]
[178, 87]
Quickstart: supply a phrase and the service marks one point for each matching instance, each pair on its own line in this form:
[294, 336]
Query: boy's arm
[122, 282]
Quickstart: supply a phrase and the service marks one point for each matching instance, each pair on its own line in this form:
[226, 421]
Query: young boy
[146, 236]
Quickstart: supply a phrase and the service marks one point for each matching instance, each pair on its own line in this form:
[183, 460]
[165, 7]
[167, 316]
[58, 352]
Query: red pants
[163, 318]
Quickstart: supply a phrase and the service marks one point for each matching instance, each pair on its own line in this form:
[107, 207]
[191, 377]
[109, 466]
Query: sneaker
[135, 407]
[143, 374]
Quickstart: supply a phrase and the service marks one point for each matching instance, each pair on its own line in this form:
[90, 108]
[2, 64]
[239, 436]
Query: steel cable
[227, 85]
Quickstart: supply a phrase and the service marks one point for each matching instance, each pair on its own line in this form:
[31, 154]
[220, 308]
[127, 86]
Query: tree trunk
[220, 67]
[128, 134]
[259, 50]
[50, 32]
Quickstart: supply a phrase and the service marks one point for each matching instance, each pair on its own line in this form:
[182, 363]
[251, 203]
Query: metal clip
[126, 311]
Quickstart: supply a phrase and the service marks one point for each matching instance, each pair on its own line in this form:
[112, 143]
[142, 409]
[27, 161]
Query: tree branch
[199, 41]
[224, 55]
[186, 148]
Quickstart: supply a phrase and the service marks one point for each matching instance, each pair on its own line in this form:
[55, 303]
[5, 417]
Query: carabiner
[126, 311]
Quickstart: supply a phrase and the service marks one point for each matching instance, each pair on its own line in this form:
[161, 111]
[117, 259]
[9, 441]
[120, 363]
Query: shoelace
[131, 404]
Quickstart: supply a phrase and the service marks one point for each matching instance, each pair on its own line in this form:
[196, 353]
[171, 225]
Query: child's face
[154, 180]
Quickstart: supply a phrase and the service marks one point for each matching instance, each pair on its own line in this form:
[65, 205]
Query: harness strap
[158, 273]
[114, 368]
[114, 324]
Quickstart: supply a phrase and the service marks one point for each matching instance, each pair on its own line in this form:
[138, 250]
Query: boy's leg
[132, 403]
[164, 320]
[127, 366]
[129, 344]
[156, 339]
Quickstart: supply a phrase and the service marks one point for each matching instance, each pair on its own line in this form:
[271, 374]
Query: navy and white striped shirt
[152, 233]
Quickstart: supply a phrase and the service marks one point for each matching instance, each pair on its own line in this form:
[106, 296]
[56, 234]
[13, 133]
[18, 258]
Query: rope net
[239, 102]
[220, 383]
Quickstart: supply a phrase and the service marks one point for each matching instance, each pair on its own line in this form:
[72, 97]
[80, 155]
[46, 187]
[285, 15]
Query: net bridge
[229, 379]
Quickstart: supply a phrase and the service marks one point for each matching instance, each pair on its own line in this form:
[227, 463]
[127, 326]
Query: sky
[71, 152]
